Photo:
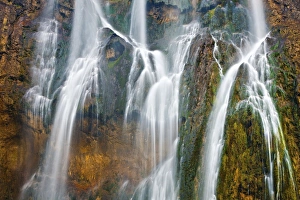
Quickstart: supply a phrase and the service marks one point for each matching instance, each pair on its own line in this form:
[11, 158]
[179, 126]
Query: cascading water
[82, 82]
[154, 94]
[259, 25]
[40, 95]
[138, 22]
[159, 114]
[254, 57]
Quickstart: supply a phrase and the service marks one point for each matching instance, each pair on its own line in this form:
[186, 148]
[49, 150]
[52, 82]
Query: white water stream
[83, 75]
[153, 92]
[254, 58]
[39, 97]
[82, 81]
[138, 26]
[155, 95]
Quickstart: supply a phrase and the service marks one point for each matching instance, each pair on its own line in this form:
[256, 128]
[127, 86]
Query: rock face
[181, 4]
[241, 175]
[101, 163]
[16, 48]
[104, 155]
[284, 22]
[197, 92]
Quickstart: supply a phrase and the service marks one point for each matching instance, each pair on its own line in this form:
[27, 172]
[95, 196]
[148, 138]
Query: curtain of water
[138, 22]
[253, 55]
[39, 97]
[156, 91]
[153, 92]
[159, 115]
[83, 74]
[82, 80]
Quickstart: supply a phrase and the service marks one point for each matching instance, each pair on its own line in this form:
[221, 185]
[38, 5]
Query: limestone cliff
[283, 17]
[99, 162]
[16, 48]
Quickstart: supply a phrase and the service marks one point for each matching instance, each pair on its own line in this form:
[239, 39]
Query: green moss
[284, 76]
[197, 104]
[118, 14]
[244, 142]
[240, 174]
[112, 64]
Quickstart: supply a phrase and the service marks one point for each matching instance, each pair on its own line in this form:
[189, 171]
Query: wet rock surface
[102, 149]
[183, 4]
[196, 91]
[16, 44]
[284, 21]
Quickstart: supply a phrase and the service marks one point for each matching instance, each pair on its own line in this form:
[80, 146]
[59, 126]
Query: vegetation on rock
[99, 163]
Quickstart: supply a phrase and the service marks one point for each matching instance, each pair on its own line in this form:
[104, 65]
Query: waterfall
[216, 123]
[152, 99]
[138, 22]
[254, 57]
[259, 25]
[82, 82]
[159, 114]
[39, 97]
[153, 92]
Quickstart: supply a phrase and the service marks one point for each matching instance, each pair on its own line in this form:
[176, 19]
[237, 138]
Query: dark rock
[182, 4]
[207, 5]
[15, 51]
[239, 19]
[114, 49]
[197, 80]
[101, 148]
[163, 13]
[218, 20]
